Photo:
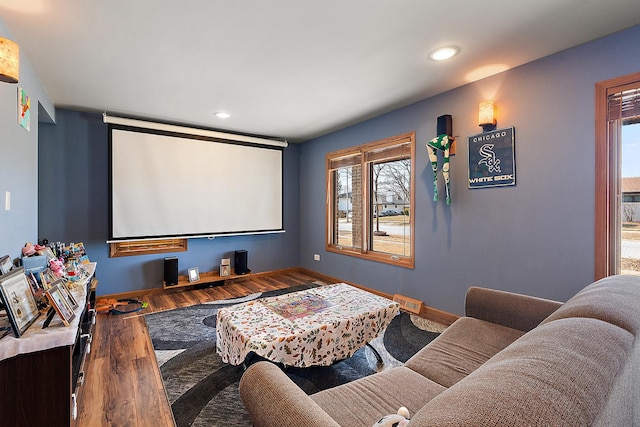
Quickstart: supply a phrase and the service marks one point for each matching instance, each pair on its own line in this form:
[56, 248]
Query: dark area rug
[203, 390]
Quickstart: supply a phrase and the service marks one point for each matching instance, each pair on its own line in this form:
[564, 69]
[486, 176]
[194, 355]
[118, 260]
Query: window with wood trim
[617, 105]
[146, 247]
[370, 208]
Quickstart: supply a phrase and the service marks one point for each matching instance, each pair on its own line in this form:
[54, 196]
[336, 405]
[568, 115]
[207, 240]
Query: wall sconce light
[9, 61]
[487, 116]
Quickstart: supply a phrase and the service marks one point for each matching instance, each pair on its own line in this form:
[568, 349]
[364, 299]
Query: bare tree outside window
[629, 211]
[392, 188]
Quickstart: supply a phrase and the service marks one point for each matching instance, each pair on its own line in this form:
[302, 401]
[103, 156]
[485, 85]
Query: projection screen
[166, 184]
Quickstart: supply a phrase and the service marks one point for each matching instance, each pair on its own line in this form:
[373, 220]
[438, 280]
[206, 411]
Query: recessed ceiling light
[443, 53]
[222, 115]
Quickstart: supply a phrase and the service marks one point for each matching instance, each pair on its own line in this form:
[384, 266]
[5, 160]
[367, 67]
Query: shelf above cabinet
[205, 278]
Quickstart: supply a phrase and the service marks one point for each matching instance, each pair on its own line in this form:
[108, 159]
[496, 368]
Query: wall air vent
[408, 304]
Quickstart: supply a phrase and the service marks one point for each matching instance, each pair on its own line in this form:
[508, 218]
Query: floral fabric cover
[329, 323]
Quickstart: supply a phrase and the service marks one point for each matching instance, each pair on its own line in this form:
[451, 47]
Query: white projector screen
[173, 185]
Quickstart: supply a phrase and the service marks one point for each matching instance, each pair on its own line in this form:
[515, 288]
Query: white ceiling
[294, 69]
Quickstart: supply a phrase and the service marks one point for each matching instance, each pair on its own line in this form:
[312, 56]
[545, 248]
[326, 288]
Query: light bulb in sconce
[487, 115]
[9, 61]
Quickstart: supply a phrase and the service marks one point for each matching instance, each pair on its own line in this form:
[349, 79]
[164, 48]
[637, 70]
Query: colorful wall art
[24, 109]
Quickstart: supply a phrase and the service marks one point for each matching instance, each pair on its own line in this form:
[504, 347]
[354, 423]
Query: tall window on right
[370, 192]
[617, 196]
[624, 117]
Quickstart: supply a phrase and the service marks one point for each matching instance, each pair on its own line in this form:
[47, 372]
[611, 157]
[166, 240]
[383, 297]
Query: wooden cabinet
[206, 278]
[42, 372]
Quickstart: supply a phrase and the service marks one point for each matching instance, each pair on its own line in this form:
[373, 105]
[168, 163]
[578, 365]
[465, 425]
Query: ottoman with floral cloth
[315, 327]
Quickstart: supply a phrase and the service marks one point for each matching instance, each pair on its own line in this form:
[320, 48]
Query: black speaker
[445, 125]
[240, 265]
[171, 271]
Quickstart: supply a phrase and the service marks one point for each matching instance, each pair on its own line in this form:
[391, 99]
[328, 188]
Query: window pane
[630, 191]
[348, 212]
[391, 200]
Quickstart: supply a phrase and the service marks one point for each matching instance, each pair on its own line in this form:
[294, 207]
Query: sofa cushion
[272, 399]
[621, 408]
[365, 401]
[613, 299]
[461, 349]
[508, 309]
[559, 374]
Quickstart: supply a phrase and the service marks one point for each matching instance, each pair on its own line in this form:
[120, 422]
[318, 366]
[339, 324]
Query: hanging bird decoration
[442, 143]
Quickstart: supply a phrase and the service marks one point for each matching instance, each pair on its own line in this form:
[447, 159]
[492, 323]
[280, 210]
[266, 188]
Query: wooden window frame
[367, 154]
[606, 164]
[146, 247]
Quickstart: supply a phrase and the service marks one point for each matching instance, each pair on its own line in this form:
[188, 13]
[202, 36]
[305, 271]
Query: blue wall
[19, 157]
[536, 237]
[74, 208]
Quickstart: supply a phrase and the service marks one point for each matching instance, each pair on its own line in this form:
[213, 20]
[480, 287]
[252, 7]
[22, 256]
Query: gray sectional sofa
[513, 360]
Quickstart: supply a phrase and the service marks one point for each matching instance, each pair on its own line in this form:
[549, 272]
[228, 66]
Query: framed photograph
[31, 279]
[194, 275]
[47, 252]
[225, 270]
[47, 278]
[19, 301]
[5, 264]
[57, 296]
[71, 300]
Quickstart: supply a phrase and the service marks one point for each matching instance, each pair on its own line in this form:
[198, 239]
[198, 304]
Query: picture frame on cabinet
[47, 277]
[194, 274]
[73, 303]
[47, 252]
[5, 264]
[58, 299]
[18, 299]
[225, 270]
[33, 282]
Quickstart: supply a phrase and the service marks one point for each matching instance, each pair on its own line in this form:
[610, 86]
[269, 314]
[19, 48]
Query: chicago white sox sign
[492, 161]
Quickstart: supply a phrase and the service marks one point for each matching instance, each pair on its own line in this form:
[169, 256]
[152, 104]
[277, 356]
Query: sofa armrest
[509, 309]
[272, 399]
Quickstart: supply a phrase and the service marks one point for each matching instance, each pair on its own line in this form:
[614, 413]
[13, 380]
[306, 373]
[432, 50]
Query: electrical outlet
[316, 257]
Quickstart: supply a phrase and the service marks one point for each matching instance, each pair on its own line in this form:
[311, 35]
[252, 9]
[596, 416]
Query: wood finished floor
[123, 386]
